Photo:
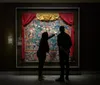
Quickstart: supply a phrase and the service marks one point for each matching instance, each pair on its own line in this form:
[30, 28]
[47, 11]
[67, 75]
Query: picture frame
[20, 63]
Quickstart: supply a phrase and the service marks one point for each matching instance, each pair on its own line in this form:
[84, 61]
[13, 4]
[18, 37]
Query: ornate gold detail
[47, 16]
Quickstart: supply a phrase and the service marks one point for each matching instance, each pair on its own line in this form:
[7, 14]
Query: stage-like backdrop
[31, 23]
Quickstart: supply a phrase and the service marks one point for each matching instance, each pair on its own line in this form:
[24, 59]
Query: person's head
[62, 29]
[45, 35]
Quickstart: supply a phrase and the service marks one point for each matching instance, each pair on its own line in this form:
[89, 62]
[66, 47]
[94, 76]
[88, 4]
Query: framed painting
[31, 22]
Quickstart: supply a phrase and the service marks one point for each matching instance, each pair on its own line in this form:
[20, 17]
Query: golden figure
[47, 16]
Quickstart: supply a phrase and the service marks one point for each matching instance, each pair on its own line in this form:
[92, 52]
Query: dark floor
[7, 78]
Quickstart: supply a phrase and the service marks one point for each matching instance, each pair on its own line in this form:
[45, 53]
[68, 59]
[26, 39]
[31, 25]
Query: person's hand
[53, 34]
[56, 33]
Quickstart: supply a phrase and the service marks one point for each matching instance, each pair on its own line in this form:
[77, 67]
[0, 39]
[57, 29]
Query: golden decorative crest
[47, 16]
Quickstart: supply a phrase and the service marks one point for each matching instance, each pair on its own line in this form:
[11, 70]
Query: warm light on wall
[10, 39]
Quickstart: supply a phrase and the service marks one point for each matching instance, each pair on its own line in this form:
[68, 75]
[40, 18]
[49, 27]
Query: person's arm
[51, 36]
[69, 42]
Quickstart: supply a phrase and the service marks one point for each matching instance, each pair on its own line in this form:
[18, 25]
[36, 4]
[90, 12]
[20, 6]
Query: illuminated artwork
[31, 24]
[33, 33]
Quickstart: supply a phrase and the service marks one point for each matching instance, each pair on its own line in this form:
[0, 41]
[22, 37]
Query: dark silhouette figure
[41, 53]
[64, 44]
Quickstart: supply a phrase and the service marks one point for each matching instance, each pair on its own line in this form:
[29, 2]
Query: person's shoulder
[66, 34]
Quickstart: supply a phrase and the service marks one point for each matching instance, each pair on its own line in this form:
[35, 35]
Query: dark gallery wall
[89, 15]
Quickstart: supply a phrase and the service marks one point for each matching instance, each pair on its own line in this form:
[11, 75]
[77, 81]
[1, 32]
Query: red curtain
[26, 19]
[69, 19]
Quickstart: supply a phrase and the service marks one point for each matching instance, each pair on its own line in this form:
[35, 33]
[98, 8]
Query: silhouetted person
[64, 44]
[41, 53]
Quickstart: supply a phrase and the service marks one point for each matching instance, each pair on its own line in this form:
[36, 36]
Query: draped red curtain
[26, 19]
[69, 19]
